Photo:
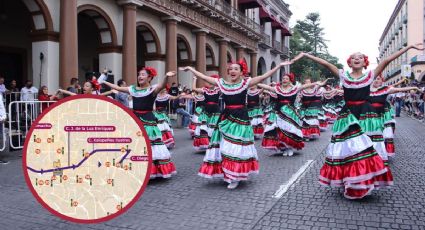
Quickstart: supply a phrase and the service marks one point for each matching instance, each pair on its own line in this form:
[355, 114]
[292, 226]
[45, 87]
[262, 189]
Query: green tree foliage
[308, 36]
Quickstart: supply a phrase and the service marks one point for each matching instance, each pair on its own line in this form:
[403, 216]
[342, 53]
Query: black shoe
[3, 162]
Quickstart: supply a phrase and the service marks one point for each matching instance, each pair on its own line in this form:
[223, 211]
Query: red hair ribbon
[291, 77]
[95, 84]
[151, 71]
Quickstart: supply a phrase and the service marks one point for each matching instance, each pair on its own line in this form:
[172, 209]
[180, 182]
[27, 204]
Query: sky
[349, 25]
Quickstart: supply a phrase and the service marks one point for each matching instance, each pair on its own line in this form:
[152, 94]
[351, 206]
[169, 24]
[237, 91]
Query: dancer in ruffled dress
[352, 161]
[144, 95]
[231, 154]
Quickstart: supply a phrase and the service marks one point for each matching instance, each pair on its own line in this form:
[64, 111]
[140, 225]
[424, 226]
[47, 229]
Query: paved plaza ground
[188, 201]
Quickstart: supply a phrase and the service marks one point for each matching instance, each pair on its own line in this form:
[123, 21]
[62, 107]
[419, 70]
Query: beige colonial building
[404, 28]
[77, 37]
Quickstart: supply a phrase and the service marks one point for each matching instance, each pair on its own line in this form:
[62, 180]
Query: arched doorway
[210, 58]
[229, 57]
[20, 23]
[261, 66]
[184, 58]
[275, 75]
[148, 45]
[96, 36]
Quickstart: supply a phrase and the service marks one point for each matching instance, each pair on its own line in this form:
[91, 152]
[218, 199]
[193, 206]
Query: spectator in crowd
[11, 96]
[2, 119]
[2, 86]
[75, 86]
[122, 97]
[399, 97]
[43, 95]
[174, 91]
[28, 92]
[181, 109]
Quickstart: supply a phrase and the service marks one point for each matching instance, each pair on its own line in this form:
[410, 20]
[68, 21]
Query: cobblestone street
[187, 201]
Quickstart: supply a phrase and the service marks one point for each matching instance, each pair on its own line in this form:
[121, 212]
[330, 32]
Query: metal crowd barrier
[20, 118]
[3, 137]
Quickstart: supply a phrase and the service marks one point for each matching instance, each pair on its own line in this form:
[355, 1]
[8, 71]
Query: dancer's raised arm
[399, 82]
[334, 70]
[164, 81]
[403, 89]
[266, 87]
[102, 80]
[67, 92]
[208, 79]
[198, 90]
[317, 83]
[384, 63]
[259, 79]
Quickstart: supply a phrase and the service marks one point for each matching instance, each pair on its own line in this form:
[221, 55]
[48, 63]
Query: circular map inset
[87, 159]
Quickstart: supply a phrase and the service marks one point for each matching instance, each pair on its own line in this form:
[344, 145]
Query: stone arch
[148, 44]
[106, 29]
[184, 52]
[210, 56]
[40, 15]
[261, 66]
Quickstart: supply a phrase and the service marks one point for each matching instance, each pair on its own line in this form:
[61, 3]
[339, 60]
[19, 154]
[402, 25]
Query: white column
[46, 72]
[112, 61]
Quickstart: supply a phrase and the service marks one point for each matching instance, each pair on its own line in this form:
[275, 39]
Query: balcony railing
[265, 38]
[404, 18]
[277, 46]
[227, 9]
[285, 51]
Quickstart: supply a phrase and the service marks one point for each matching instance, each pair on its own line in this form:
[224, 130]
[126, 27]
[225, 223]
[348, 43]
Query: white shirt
[399, 95]
[2, 110]
[2, 88]
[28, 94]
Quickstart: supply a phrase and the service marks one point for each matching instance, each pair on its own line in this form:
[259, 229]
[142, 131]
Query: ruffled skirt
[162, 166]
[231, 154]
[352, 160]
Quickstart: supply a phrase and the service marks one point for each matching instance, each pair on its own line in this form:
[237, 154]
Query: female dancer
[286, 135]
[162, 103]
[255, 112]
[329, 104]
[378, 100]
[309, 111]
[144, 95]
[351, 159]
[231, 154]
[211, 111]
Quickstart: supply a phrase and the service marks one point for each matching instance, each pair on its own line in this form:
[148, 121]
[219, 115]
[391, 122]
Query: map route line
[81, 162]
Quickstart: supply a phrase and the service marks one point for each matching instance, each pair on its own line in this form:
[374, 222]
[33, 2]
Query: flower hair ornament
[151, 71]
[291, 77]
[95, 84]
[365, 57]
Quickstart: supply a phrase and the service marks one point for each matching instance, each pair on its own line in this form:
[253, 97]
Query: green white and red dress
[352, 161]
[231, 154]
[309, 112]
[329, 107]
[212, 108]
[323, 121]
[255, 112]
[377, 100]
[143, 101]
[161, 113]
[200, 119]
[285, 131]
